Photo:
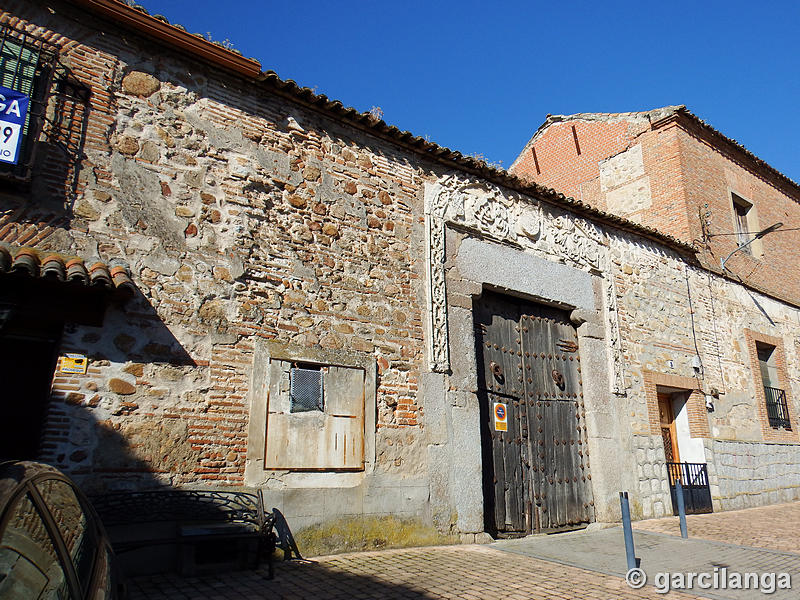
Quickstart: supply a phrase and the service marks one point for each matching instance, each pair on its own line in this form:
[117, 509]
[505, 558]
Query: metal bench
[196, 521]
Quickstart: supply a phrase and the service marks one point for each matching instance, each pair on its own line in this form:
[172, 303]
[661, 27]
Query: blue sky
[480, 77]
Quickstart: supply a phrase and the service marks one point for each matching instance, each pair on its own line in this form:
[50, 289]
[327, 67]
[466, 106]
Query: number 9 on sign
[9, 142]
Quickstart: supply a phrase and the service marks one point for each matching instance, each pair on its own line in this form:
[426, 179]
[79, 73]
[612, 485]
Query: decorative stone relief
[479, 206]
[506, 218]
[615, 356]
[529, 223]
[438, 343]
[573, 239]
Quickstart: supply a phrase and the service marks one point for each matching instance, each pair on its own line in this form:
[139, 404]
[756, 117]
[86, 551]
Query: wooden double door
[535, 457]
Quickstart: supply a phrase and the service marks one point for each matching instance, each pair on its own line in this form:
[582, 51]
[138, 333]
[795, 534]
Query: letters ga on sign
[13, 111]
[500, 417]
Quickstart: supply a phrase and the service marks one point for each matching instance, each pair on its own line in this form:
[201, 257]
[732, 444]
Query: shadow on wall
[57, 163]
[102, 456]
[144, 515]
[125, 424]
[132, 332]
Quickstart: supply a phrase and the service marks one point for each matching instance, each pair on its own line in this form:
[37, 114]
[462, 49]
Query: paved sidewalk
[775, 527]
[603, 551]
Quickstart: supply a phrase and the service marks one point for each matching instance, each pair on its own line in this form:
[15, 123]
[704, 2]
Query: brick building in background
[212, 277]
[669, 170]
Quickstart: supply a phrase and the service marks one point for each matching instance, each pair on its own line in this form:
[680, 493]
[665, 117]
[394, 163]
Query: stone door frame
[477, 265]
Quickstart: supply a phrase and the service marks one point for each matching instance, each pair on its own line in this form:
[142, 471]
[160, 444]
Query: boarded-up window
[330, 437]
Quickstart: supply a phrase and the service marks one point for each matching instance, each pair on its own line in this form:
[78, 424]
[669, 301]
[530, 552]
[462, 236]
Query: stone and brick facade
[667, 169]
[268, 229]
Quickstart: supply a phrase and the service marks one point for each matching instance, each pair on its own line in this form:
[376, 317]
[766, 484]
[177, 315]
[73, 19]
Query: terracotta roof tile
[32, 263]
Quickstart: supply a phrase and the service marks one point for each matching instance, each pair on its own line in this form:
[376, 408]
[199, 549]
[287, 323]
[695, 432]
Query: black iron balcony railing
[777, 410]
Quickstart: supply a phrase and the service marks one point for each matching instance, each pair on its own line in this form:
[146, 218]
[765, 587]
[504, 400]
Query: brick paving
[580, 565]
[775, 527]
[603, 551]
[451, 572]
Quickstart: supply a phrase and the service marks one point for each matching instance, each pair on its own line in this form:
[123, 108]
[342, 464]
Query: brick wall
[695, 403]
[553, 159]
[683, 177]
[710, 176]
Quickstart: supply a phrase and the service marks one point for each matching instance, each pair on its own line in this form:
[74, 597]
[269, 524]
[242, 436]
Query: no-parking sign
[500, 417]
[13, 110]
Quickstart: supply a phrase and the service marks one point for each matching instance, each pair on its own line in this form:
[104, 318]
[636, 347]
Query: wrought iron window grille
[306, 389]
[27, 65]
[777, 408]
[58, 101]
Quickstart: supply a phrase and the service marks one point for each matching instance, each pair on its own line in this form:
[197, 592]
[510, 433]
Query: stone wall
[754, 474]
[670, 313]
[242, 217]
[651, 499]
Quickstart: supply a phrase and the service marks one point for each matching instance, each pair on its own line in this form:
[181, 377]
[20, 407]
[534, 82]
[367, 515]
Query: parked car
[52, 544]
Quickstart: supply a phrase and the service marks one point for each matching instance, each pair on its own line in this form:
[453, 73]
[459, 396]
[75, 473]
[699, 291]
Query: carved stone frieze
[479, 206]
[486, 209]
[572, 239]
[438, 344]
[615, 356]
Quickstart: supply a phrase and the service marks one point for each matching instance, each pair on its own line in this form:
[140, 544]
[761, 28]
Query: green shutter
[18, 70]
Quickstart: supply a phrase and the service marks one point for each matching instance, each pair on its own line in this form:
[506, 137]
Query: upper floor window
[775, 396]
[741, 211]
[27, 65]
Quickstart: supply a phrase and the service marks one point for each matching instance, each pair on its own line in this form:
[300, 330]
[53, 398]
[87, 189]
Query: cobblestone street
[582, 565]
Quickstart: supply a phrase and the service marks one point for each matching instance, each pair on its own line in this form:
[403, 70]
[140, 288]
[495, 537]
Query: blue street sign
[13, 111]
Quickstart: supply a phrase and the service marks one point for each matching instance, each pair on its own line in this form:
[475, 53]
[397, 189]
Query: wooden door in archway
[536, 467]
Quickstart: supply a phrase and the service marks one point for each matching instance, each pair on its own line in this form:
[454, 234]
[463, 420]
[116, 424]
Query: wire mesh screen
[305, 390]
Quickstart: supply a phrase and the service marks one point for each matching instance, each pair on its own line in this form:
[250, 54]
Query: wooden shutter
[332, 439]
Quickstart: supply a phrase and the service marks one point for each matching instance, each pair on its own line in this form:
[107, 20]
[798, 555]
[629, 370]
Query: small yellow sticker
[500, 417]
[74, 363]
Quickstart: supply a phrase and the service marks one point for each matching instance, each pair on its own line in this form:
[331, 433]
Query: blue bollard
[630, 553]
[681, 508]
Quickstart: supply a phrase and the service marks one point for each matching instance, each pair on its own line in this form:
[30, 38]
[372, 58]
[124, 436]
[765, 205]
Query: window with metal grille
[775, 397]
[306, 389]
[27, 65]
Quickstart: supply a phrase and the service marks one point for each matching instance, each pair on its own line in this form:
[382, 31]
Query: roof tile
[31, 263]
